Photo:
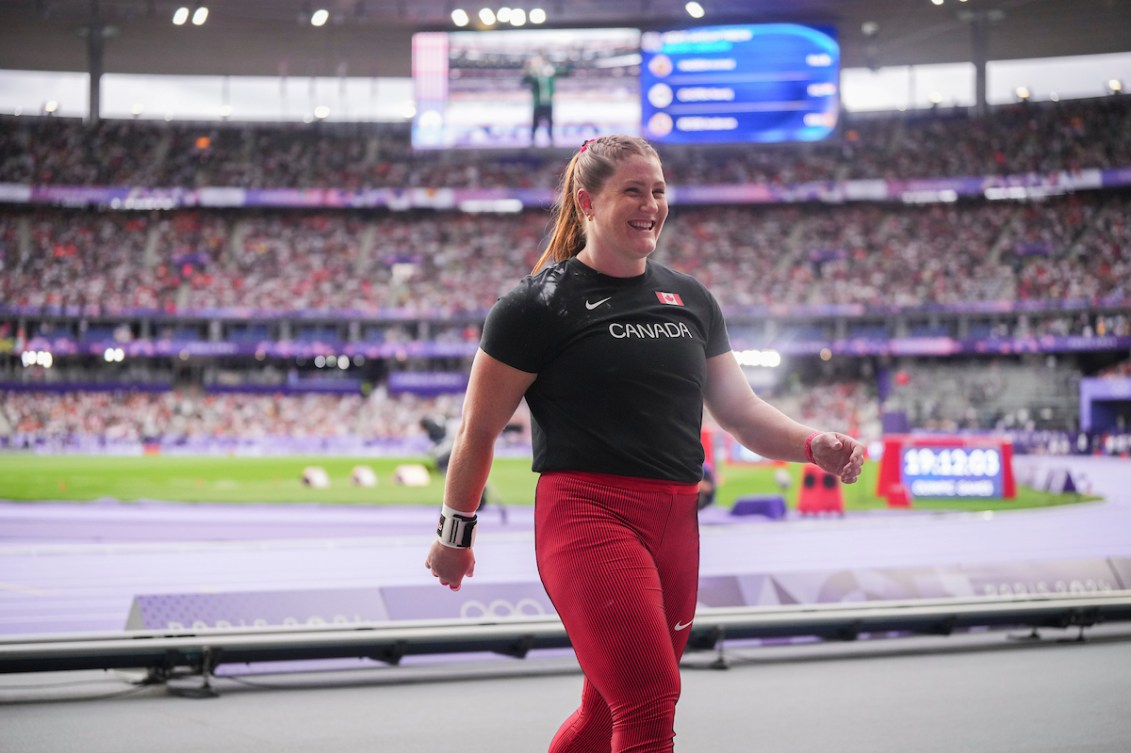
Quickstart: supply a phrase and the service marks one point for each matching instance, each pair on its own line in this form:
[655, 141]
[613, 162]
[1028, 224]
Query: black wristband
[456, 529]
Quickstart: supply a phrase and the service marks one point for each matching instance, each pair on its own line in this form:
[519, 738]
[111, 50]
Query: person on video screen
[539, 75]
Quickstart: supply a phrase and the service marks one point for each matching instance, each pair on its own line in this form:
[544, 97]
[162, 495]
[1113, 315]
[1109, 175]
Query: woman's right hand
[450, 565]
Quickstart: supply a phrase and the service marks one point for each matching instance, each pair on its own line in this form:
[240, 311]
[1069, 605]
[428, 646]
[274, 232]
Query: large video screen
[522, 88]
[752, 83]
[740, 83]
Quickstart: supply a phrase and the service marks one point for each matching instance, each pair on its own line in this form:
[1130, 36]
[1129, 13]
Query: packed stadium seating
[245, 298]
[1013, 140]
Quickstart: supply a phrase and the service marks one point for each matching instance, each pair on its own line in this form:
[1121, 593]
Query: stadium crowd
[422, 274]
[1012, 140]
[1076, 248]
[1030, 404]
[50, 420]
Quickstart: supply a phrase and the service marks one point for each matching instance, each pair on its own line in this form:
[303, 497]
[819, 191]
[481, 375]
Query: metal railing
[163, 652]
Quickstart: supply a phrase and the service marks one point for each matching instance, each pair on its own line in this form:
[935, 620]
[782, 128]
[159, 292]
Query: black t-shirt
[621, 365]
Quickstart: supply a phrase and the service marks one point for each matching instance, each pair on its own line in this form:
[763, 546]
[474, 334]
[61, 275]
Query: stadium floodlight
[537, 16]
[319, 17]
[503, 15]
[460, 17]
[487, 16]
[1115, 86]
[518, 17]
[321, 112]
[180, 16]
[694, 9]
[41, 358]
[200, 15]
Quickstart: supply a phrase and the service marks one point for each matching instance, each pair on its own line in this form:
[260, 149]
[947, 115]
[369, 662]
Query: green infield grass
[26, 477]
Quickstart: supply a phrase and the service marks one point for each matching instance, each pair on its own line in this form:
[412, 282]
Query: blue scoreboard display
[756, 83]
[952, 471]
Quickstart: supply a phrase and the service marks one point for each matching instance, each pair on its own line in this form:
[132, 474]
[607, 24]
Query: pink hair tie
[809, 447]
[586, 145]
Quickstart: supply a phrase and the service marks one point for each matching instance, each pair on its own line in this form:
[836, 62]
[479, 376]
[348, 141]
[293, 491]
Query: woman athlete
[616, 356]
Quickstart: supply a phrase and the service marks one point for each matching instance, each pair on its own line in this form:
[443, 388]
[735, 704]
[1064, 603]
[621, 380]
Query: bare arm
[766, 430]
[494, 391]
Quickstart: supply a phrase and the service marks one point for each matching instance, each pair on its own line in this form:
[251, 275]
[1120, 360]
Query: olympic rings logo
[473, 609]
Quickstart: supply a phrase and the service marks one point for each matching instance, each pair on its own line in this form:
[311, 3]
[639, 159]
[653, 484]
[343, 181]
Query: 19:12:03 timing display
[952, 471]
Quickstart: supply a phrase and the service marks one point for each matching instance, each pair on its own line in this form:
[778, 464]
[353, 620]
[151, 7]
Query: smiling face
[624, 217]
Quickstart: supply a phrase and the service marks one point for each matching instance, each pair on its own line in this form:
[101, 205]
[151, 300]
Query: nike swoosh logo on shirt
[682, 626]
[592, 306]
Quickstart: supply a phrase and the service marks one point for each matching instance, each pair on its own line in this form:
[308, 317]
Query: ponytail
[568, 237]
[589, 168]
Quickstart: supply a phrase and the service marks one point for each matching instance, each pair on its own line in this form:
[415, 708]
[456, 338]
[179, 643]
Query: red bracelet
[809, 447]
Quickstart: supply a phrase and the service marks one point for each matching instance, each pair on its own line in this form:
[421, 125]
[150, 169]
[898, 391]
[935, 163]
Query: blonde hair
[589, 168]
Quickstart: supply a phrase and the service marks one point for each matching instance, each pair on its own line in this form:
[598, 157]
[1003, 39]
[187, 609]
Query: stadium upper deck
[1040, 138]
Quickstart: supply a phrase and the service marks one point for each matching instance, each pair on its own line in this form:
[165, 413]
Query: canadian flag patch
[672, 299]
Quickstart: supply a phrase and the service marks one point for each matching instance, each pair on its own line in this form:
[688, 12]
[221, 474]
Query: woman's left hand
[838, 454]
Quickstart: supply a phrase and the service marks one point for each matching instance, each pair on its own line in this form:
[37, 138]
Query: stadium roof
[372, 37]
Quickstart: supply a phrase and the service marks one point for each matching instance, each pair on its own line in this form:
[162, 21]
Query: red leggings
[619, 558]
